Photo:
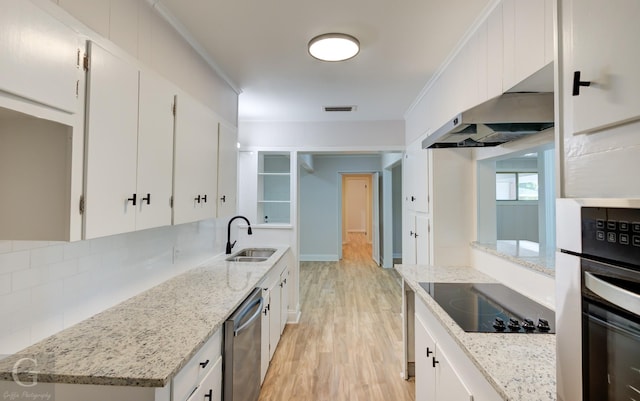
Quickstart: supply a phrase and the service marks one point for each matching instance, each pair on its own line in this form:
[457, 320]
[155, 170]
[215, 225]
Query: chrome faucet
[229, 244]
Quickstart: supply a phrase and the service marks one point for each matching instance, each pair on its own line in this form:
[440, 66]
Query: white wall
[320, 203]
[364, 135]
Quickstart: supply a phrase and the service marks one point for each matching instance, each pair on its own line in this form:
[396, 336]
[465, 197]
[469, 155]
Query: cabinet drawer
[210, 388]
[198, 367]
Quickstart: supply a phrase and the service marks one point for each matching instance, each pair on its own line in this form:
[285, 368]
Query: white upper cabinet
[227, 170]
[196, 161]
[112, 135]
[155, 152]
[526, 39]
[129, 147]
[602, 46]
[40, 56]
[495, 53]
[416, 182]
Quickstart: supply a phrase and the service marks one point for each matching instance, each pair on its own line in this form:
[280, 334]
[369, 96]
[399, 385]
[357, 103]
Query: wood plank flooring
[348, 344]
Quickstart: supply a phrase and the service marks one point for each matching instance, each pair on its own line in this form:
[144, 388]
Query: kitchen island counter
[518, 366]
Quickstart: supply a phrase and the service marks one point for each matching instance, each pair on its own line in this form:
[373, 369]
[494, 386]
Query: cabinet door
[603, 48]
[422, 238]
[275, 299]
[524, 40]
[416, 171]
[196, 161]
[449, 385]
[284, 298]
[155, 152]
[40, 56]
[264, 350]
[111, 144]
[227, 170]
[408, 240]
[425, 348]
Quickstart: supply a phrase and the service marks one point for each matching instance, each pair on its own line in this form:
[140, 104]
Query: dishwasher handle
[245, 312]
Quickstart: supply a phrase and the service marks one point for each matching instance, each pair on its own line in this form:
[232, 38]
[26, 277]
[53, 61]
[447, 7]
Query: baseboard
[319, 258]
[293, 317]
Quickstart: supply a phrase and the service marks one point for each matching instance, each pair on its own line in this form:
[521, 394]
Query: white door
[40, 56]
[425, 348]
[155, 152]
[111, 148]
[375, 220]
[604, 50]
[422, 239]
[227, 170]
[196, 161]
[449, 385]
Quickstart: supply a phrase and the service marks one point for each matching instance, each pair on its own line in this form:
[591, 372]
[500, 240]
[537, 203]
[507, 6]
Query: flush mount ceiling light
[334, 47]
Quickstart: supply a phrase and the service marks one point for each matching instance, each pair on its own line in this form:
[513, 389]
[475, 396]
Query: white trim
[186, 35]
[319, 258]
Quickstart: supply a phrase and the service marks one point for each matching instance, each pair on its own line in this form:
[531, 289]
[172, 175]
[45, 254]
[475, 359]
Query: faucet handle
[234, 244]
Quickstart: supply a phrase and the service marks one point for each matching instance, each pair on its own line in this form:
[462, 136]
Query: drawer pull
[204, 364]
[209, 396]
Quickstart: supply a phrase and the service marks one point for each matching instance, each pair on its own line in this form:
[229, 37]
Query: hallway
[348, 344]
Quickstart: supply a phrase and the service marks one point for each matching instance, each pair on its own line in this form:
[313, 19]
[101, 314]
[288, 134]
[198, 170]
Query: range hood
[502, 119]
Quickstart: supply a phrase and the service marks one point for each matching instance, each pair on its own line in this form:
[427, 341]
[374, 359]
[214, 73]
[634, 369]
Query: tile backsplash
[48, 286]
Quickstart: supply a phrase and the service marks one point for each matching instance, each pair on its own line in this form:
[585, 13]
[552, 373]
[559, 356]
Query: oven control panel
[611, 233]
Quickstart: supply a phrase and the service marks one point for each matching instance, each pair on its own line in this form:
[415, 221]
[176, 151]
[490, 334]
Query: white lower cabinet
[436, 379]
[210, 388]
[274, 317]
[416, 241]
[442, 371]
[189, 381]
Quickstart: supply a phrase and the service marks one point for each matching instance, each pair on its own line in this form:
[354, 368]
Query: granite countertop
[520, 367]
[522, 252]
[145, 340]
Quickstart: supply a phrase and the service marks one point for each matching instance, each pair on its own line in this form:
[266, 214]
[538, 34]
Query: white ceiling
[261, 45]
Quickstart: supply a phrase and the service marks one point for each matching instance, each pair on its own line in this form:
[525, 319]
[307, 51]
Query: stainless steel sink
[251, 255]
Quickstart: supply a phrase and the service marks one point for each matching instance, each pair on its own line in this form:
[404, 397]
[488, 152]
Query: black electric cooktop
[491, 308]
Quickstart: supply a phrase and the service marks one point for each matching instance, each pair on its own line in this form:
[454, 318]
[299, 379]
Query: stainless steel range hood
[505, 118]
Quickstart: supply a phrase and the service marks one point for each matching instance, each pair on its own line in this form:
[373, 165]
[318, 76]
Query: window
[516, 186]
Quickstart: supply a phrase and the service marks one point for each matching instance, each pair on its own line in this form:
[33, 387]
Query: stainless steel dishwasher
[242, 342]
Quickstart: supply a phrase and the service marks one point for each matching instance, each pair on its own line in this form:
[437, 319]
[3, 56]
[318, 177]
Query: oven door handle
[620, 297]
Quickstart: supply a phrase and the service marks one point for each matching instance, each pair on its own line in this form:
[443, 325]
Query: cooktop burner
[491, 308]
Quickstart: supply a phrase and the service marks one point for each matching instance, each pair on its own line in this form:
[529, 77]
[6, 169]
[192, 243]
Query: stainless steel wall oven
[608, 290]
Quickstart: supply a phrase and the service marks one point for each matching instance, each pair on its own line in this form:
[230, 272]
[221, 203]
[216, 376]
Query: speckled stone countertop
[521, 367]
[525, 253]
[145, 340]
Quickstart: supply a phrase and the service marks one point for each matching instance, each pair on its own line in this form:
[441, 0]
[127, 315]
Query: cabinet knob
[413, 198]
[577, 83]
[224, 198]
[434, 361]
[209, 395]
[411, 233]
[133, 199]
[204, 364]
[147, 199]
[415, 235]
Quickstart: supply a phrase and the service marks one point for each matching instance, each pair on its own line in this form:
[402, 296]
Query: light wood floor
[348, 344]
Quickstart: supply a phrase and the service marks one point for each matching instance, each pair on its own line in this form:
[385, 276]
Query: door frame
[342, 175]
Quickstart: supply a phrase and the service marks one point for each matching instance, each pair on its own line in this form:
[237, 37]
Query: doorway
[361, 213]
